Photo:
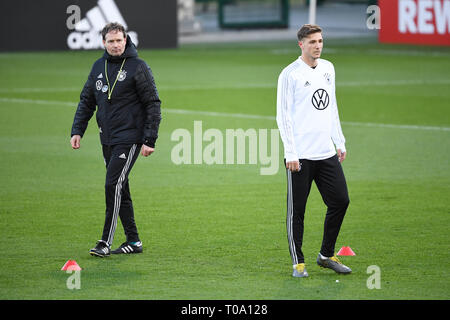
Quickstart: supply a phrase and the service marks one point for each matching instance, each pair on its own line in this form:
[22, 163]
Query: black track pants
[119, 159]
[330, 180]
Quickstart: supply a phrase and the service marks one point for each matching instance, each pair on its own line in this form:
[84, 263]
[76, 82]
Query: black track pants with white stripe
[119, 159]
[330, 181]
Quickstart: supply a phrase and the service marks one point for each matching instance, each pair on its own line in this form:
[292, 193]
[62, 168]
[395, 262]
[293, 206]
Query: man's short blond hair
[308, 29]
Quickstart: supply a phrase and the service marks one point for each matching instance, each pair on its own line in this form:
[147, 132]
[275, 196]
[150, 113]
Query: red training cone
[71, 265]
[346, 251]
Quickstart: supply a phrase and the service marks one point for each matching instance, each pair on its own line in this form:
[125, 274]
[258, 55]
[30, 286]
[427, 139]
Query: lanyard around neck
[110, 90]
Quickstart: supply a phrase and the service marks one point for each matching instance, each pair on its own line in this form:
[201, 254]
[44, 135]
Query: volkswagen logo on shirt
[320, 99]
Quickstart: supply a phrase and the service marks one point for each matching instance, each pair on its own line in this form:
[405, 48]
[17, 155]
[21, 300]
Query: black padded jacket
[133, 112]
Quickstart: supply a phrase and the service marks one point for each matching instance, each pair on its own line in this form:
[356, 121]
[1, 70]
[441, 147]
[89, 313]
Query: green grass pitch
[218, 231]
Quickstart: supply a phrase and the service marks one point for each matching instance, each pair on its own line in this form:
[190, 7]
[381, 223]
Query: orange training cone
[71, 265]
[346, 251]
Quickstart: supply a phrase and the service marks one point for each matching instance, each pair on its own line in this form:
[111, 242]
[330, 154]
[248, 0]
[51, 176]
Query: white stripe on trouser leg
[118, 194]
[290, 217]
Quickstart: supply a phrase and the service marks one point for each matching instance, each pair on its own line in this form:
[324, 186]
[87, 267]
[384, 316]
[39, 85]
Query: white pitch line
[380, 83]
[35, 101]
[395, 126]
[235, 115]
[219, 114]
[32, 90]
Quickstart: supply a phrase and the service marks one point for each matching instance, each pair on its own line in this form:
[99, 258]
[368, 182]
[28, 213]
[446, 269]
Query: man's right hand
[75, 141]
[293, 166]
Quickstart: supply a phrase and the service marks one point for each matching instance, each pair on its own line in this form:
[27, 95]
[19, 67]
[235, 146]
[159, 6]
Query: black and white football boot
[101, 250]
[129, 247]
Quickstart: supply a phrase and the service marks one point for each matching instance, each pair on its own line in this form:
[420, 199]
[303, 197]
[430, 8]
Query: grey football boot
[300, 271]
[333, 263]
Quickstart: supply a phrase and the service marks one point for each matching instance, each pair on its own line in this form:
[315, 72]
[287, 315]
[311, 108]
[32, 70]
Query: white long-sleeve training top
[307, 113]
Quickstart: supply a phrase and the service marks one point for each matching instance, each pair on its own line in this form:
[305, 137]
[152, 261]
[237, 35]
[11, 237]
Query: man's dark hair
[113, 26]
[306, 30]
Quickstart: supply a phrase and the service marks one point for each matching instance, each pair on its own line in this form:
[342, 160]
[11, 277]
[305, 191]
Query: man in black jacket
[128, 115]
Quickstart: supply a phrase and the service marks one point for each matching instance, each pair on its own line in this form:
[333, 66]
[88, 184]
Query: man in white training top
[314, 147]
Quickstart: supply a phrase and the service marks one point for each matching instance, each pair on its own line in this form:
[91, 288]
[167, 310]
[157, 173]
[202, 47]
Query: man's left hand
[146, 150]
[341, 155]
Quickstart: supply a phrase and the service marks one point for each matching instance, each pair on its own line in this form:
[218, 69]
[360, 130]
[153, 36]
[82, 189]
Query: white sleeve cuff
[341, 147]
[291, 157]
